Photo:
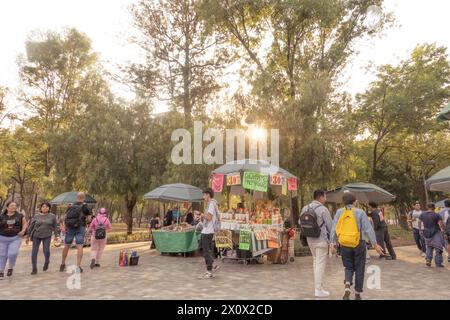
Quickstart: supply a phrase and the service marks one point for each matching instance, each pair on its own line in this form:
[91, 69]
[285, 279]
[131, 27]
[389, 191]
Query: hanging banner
[276, 179]
[255, 181]
[234, 179]
[217, 182]
[245, 239]
[292, 184]
[284, 187]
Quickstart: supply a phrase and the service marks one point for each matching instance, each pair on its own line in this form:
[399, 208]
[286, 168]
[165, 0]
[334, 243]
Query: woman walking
[42, 226]
[13, 226]
[99, 226]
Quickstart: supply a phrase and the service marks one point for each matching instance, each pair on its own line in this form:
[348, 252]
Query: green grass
[122, 237]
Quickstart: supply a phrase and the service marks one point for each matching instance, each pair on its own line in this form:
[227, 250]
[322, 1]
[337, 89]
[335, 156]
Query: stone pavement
[166, 277]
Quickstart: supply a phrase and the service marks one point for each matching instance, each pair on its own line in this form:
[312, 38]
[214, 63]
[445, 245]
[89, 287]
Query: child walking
[99, 227]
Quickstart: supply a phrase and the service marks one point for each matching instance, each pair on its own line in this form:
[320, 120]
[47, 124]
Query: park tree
[125, 154]
[404, 100]
[55, 73]
[295, 81]
[182, 61]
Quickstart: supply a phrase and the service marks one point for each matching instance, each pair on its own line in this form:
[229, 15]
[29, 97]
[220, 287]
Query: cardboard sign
[276, 179]
[255, 181]
[245, 239]
[292, 184]
[234, 179]
[217, 182]
[224, 239]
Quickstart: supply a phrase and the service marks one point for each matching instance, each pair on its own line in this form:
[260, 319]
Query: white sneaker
[321, 293]
[207, 275]
[423, 255]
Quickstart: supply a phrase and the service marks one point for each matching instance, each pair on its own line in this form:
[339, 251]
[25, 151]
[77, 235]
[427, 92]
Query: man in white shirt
[209, 225]
[413, 220]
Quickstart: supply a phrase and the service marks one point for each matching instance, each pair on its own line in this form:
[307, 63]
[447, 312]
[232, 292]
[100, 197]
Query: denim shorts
[78, 234]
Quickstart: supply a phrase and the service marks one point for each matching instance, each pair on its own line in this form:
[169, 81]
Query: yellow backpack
[347, 229]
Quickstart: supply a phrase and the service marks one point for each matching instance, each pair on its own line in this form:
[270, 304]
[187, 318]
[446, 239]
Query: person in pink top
[99, 226]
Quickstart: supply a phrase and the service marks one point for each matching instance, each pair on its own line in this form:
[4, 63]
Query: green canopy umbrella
[364, 192]
[175, 192]
[440, 181]
[444, 114]
[69, 198]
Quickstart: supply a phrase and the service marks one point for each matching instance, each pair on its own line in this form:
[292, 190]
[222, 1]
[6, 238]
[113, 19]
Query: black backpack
[74, 215]
[308, 223]
[100, 231]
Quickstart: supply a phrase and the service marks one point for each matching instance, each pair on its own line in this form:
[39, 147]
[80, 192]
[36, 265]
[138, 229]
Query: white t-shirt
[208, 226]
[415, 215]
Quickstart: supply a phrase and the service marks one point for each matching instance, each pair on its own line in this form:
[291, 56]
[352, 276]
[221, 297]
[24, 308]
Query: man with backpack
[445, 214]
[316, 223]
[75, 225]
[209, 225]
[350, 226]
[433, 232]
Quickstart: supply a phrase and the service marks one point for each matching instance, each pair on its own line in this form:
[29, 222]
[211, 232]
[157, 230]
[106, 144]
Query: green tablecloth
[176, 242]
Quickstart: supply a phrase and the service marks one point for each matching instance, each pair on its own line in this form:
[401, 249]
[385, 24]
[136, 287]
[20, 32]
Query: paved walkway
[165, 277]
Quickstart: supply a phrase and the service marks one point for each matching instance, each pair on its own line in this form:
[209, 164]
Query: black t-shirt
[430, 221]
[378, 222]
[190, 218]
[10, 226]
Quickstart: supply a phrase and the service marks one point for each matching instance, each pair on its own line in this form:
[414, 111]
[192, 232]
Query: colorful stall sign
[245, 239]
[234, 179]
[255, 181]
[217, 182]
[276, 179]
[292, 184]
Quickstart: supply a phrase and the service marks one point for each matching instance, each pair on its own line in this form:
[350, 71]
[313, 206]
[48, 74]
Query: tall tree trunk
[130, 202]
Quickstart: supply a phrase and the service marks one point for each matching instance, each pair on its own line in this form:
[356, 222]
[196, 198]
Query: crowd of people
[14, 227]
[346, 235]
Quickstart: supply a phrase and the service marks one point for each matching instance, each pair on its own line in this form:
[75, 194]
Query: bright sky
[108, 24]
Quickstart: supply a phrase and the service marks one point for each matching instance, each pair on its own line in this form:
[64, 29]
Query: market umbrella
[444, 114]
[175, 192]
[69, 198]
[261, 166]
[440, 181]
[364, 192]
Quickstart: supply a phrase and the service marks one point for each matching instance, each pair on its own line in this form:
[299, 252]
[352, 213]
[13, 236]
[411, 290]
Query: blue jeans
[438, 259]
[9, 250]
[354, 261]
[420, 241]
[35, 251]
[78, 234]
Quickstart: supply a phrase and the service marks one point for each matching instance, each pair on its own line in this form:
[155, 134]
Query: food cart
[256, 228]
[179, 237]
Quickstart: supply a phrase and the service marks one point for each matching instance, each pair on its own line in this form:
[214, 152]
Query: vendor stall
[178, 237]
[255, 226]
